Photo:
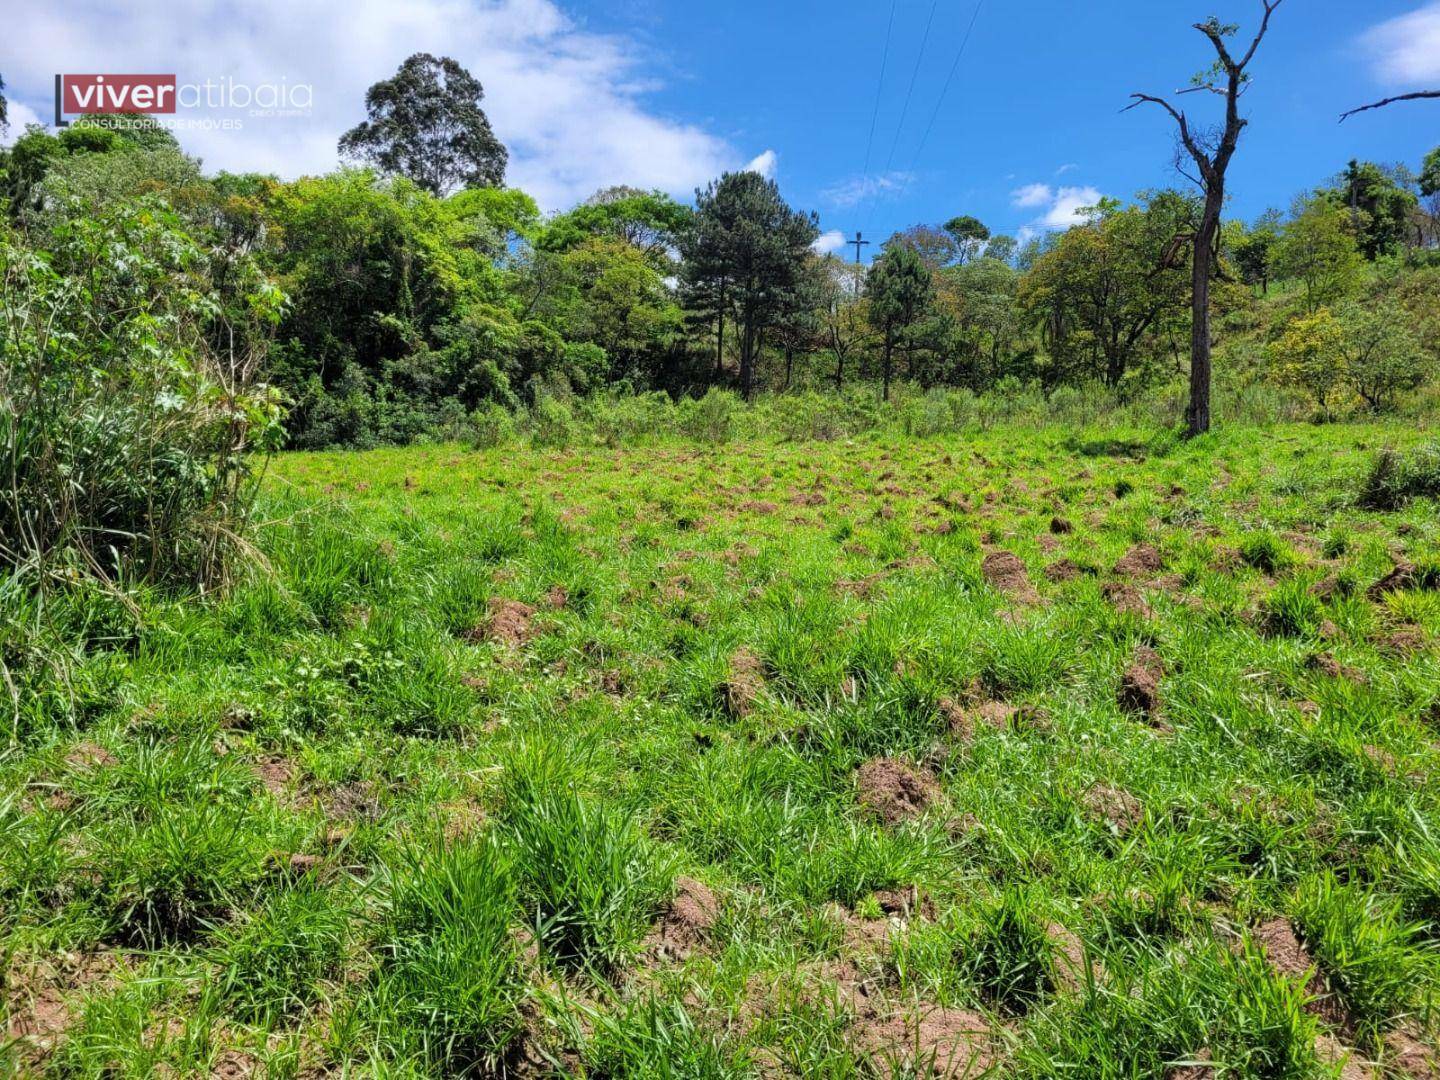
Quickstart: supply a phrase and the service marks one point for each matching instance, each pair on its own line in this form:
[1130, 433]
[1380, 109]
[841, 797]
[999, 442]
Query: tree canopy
[425, 123]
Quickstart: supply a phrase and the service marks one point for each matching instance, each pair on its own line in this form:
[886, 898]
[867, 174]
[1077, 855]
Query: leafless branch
[1270, 6]
[1419, 94]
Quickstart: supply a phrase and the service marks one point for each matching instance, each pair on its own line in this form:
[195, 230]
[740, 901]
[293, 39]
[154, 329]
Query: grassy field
[1039, 753]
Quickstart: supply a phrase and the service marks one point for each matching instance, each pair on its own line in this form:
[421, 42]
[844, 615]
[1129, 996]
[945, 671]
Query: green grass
[415, 799]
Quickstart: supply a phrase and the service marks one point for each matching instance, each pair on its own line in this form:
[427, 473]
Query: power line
[875, 113]
[939, 102]
[914, 73]
[946, 88]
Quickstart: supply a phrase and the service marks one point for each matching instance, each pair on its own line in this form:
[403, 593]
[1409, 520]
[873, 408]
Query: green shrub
[554, 423]
[1265, 551]
[1292, 610]
[129, 432]
[710, 419]
[1008, 955]
[491, 425]
[1368, 954]
[1395, 478]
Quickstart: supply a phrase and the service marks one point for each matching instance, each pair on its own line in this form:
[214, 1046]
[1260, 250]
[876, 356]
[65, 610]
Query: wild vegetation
[663, 651]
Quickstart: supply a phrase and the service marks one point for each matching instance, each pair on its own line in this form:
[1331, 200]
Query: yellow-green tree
[1310, 355]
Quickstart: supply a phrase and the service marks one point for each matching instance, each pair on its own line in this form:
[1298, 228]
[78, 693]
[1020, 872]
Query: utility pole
[858, 244]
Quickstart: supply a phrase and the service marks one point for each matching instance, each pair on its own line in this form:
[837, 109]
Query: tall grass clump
[1395, 478]
[448, 990]
[129, 400]
[591, 879]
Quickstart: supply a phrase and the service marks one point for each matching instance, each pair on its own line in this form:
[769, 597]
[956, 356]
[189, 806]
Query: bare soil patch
[1006, 572]
[506, 622]
[1140, 561]
[1140, 684]
[893, 790]
[744, 682]
[1114, 806]
[931, 1042]
[1125, 599]
[688, 920]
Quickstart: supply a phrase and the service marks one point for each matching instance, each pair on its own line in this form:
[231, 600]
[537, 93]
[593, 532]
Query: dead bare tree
[1228, 79]
[1417, 96]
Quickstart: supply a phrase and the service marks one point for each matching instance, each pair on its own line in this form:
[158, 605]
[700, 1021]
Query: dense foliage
[417, 310]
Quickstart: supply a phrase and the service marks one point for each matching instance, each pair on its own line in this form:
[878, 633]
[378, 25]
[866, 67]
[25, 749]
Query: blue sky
[1036, 99]
[664, 94]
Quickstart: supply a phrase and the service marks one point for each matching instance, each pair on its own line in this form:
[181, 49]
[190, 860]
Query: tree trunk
[720, 335]
[747, 360]
[885, 368]
[1197, 416]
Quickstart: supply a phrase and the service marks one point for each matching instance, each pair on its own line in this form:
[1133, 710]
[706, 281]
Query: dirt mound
[1196, 1069]
[1061, 526]
[963, 721]
[1326, 664]
[557, 597]
[1062, 570]
[688, 921]
[744, 682]
[275, 773]
[1282, 948]
[1069, 956]
[89, 755]
[809, 498]
[1125, 599]
[506, 622]
[937, 1042]
[758, 507]
[957, 719]
[43, 1002]
[1407, 1055]
[1403, 576]
[1405, 641]
[905, 903]
[1115, 806]
[892, 790]
[1139, 561]
[1005, 571]
[1140, 685]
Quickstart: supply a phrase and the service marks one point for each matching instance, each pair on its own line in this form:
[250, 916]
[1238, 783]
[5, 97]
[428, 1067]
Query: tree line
[420, 289]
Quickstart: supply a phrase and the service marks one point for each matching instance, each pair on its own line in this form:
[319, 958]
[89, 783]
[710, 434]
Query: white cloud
[20, 114]
[1065, 209]
[1032, 195]
[1069, 166]
[1405, 50]
[828, 242]
[764, 164]
[1061, 206]
[569, 103]
[858, 189]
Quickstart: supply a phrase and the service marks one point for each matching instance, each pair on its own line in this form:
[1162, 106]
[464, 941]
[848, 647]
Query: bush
[491, 426]
[129, 405]
[554, 423]
[1394, 478]
[272, 960]
[1008, 956]
[710, 419]
[1369, 955]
